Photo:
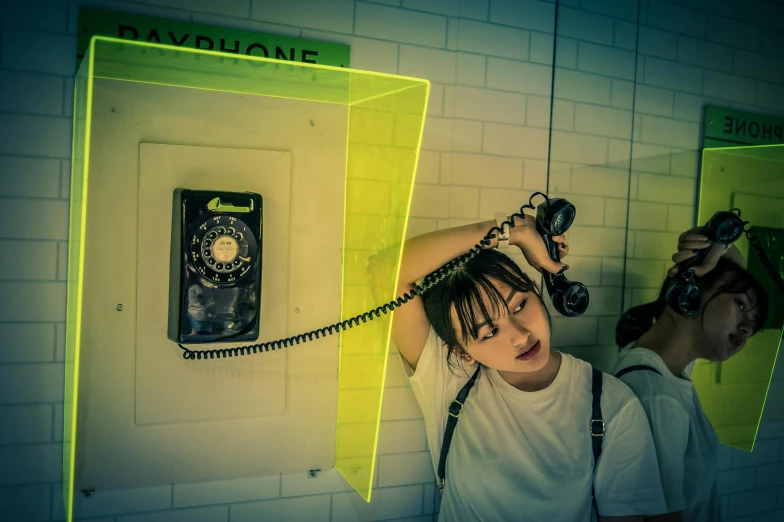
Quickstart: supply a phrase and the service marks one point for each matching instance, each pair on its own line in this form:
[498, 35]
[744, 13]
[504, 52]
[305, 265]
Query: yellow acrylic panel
[386, 115]
[76, 233]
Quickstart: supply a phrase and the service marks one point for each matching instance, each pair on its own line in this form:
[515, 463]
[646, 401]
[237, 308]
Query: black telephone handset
[724, 227]
[553, 218]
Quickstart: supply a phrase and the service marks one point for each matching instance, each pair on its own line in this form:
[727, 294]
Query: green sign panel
[198, 36]
[730, 128]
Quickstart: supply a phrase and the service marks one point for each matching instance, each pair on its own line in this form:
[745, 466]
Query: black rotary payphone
[215, 266]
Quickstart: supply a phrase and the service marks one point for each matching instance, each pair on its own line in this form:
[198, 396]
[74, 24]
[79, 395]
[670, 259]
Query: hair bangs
[745, 283]
[516, 279]
[470, 306]
[737, 280]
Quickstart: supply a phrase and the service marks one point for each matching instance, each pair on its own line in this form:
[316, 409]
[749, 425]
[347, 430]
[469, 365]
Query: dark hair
[737, 280]
[462, 290]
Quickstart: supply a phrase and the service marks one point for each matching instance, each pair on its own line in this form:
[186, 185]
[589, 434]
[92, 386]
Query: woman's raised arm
[421, 256]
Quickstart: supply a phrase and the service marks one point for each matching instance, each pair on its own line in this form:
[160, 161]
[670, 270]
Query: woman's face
[728, 322]
[518, 340]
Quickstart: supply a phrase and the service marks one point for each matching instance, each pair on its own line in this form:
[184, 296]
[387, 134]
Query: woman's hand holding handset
[689, 245]
[525, 237]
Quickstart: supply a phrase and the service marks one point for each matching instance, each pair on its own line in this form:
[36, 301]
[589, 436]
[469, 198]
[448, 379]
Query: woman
[522, 449]
[654, 361]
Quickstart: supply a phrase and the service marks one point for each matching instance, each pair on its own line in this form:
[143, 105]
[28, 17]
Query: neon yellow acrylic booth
[734, 393]
[150, 117]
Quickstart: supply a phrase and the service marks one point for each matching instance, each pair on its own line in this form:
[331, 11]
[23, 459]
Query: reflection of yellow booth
[333, 152]
[733, 393]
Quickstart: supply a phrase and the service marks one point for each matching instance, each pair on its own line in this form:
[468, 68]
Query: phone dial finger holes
[223, 253]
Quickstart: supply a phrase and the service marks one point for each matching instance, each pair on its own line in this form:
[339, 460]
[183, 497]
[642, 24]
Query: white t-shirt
[686, 443]
[527, 456]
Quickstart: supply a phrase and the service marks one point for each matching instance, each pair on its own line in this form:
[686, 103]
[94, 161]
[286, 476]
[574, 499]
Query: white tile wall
[484, 150]
[524, 77]
[490, 105]
[26, 502]
[444, 7]
[477, 9]
[492, 40]
[605, 60]
[528, 14]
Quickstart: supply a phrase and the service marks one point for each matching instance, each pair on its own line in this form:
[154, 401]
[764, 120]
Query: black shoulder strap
[454, 412]
[635, 368]
[596, 426]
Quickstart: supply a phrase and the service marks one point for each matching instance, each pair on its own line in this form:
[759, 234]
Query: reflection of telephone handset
[218, 260]
[724, 227]
[553, 218]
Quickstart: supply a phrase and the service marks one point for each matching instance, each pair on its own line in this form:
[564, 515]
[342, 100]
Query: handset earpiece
[553, 218]
[682, 295]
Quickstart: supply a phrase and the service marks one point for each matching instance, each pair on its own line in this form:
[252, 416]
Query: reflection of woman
[522, 449]
[654, 359]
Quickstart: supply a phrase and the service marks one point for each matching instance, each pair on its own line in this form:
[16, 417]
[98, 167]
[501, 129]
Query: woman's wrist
[733, 254]
[515, 233]
[504, 233]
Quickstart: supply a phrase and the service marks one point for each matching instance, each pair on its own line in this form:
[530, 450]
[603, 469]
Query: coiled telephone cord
[766, 261]
[427, 283]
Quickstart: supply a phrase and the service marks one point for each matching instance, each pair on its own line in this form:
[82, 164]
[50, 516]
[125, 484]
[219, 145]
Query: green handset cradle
[771, 242]
[553, 218]
[216, 264]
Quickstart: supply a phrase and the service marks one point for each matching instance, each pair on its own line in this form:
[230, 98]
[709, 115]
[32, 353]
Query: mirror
[734, 392]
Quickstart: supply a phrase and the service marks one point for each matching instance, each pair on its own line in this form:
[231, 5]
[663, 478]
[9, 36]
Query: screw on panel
[120, 307]
[297, 309]
[88, 492]
[313, 473]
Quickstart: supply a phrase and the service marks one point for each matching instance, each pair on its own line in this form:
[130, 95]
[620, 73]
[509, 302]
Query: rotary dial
[222, 249]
